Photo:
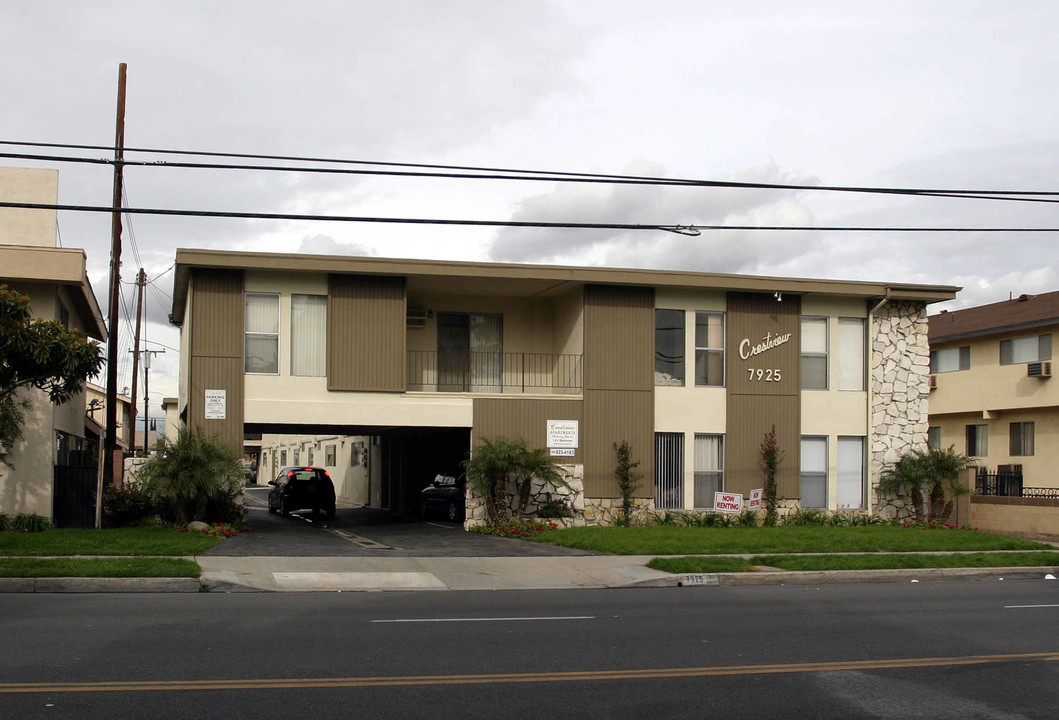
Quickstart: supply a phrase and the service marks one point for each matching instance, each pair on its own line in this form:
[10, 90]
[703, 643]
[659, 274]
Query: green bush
[127, 506]
[806, 516]
[5, 523]
[555, 509]
[30, 523]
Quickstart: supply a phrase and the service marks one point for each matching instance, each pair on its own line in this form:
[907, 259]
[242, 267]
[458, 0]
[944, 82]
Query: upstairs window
[851, 354]
[308, 335]
[709, 349]
[977, 440]
[814, 353]
[669, 347]
[261, 340]
[950, 359]
[1021, 436]
[1026, 350]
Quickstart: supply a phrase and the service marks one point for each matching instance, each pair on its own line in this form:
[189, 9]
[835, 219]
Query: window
[977, 440]
[814, 472]
[950, 359]
[1026, 350]
[669, 471]
[261, 341]
[296, 458]
[310, 456]
[709, 468]
[308, 335]
[1021, 438]
[851, 355]
[851, 472]
[934, 438]
[709, 350]
[669, 347]
[329, 455]
[283, 458]
[814, 353]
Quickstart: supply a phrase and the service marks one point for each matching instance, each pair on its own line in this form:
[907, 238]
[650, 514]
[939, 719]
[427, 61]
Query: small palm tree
[927, 474]
[496, 463]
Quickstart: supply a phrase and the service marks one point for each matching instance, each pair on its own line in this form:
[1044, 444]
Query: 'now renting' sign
[728, 502]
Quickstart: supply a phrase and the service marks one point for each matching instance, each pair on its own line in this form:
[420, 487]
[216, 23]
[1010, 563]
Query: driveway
[366, 532]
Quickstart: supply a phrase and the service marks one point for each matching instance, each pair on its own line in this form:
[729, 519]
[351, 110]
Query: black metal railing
[998, 484]
[492, 372]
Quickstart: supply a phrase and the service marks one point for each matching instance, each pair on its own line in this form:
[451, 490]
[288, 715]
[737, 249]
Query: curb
[831, 577]
[100, 585]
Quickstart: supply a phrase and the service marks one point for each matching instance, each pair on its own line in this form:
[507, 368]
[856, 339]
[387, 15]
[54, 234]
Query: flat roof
[55, 266]
[189, 259]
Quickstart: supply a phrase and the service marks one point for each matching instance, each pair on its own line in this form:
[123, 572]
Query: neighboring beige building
[993, 397]
[96, 409]
[49, 475]
[426, 358]
[346, 459]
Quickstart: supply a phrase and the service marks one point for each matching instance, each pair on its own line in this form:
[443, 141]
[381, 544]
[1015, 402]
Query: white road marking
[486, 619]
[1019, 607]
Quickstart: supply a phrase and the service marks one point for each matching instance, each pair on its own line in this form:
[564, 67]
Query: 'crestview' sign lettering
[747, 351]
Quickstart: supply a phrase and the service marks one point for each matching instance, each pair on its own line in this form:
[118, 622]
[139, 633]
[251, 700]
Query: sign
[728, 502]
[216, 404]
[562, 452]
[562, 433]
[755, 500]
[747, 351]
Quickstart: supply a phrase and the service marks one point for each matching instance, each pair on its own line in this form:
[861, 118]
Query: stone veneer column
[900, 371]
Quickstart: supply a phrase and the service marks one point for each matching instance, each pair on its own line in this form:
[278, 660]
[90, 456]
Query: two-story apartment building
[426, 358]
[992, 393]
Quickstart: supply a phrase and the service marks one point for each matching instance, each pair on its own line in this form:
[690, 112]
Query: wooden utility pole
[113, 469]
[141, 280]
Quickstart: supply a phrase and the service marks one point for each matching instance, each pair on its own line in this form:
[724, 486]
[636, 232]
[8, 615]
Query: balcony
[493, 372]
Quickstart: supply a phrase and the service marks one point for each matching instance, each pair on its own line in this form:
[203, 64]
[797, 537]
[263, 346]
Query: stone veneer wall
[900, 372]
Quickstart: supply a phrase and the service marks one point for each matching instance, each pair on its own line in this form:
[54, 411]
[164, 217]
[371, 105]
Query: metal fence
[491, 372]
[998, 484]
[74, 498]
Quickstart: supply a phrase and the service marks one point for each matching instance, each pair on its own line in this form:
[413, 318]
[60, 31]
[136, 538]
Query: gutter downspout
[871, 395]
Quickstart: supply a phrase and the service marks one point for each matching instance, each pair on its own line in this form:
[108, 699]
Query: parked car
[445, 495]
[302, 488]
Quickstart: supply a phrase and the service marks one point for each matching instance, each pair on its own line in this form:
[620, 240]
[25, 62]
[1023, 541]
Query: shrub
[514, 528]
[30, 523]
[5, 523]
[747, 518]
[125, 506]
[806, 516]
[555, 509]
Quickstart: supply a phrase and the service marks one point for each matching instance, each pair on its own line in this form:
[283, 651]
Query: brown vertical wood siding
[526, 418]
[612, 416]
[366, 333]
[216, 349]
[756, 406]
[619, 338]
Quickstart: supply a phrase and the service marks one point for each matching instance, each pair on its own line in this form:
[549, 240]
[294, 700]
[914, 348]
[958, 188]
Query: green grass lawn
[119, 541]
[662, 540]
[884, 561]
[26, 567]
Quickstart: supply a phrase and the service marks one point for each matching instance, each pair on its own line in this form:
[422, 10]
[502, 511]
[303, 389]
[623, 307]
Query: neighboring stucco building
[992, 393]
[692, 369]
[47, 467]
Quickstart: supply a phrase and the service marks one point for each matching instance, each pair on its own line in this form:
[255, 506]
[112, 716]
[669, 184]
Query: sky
[942, 94]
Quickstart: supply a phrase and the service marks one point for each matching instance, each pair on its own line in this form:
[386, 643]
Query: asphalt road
[924, 650]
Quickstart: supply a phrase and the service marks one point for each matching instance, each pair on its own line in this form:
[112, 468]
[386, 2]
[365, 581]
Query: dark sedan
[444, 495]
[302, 488]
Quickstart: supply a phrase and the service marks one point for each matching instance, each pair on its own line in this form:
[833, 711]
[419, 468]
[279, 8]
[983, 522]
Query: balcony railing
[493, 372]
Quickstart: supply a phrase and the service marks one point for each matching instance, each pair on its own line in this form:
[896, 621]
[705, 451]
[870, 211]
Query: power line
[688, 229]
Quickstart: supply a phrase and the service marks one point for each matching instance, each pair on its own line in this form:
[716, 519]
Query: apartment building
[425, 358]
[992, 394]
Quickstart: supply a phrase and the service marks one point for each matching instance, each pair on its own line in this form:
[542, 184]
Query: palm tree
[929, 473]
[497, 462]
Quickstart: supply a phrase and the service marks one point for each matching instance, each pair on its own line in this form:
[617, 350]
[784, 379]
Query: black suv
[300, 488]
[445, 494]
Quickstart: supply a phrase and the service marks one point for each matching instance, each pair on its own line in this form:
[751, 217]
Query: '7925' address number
[764, 374]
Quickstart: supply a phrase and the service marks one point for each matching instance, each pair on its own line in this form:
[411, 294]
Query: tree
[927, 475]
[771, 457]
[41, 354]
[496, 463]
[627, 479]
[192, 473]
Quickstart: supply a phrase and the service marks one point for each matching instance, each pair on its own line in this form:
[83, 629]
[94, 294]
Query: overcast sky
[940, 94]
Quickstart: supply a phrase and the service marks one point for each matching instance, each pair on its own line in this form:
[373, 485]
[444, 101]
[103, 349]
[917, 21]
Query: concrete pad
[356, 581]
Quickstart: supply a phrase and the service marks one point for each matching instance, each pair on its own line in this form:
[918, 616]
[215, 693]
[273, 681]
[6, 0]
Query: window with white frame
[308, 335]
[669, 347]
[283, 457]
[814, 353]
[1021, 436]
[850, 351]
[329, 455]
[709, 468]
[850, 486]
[814, 472]
[261, 338]
[709, 349]
[951, 359]
[1026, 350]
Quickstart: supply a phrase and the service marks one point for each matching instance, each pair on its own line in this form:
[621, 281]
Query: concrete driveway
[366, 532]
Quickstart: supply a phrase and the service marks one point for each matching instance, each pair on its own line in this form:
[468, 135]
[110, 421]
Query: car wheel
[284, 508]
[271, 507]
[454, 513]
[331, 513]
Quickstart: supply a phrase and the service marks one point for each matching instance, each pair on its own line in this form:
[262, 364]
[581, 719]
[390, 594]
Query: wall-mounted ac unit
[1039, 369]
[416, 318]
[933, 382]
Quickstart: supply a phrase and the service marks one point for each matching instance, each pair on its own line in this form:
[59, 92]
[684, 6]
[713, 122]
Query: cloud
[327, 245]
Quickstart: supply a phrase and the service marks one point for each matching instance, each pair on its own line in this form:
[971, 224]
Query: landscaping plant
[771, 457]
[495, 464]
[926, 476]
[627, 480]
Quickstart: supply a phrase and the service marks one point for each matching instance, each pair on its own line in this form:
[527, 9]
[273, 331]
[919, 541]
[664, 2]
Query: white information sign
[216, 404]
[728, 502]
[562, 452]
[562, 433]
[755, 500]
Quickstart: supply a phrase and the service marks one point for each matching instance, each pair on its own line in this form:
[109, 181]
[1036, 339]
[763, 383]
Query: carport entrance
[410, 459]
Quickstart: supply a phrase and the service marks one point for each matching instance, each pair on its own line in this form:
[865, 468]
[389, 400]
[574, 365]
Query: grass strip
[664, 540]
[119, 541]
[882, 561]
[696, 565]
[98, 567]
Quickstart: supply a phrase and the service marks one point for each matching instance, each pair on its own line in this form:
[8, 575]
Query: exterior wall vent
[1039, 369]
[933, 382]
[416, 318]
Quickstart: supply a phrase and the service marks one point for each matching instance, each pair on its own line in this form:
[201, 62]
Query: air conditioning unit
[416, 318]
[1039, 369]
[933, 382]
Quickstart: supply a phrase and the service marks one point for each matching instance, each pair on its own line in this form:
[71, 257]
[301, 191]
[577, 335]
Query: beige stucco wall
[1016, 516]
[23, 226]
[350, 472]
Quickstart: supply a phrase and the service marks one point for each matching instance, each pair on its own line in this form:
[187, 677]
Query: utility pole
[112, 471]
[141, 280]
